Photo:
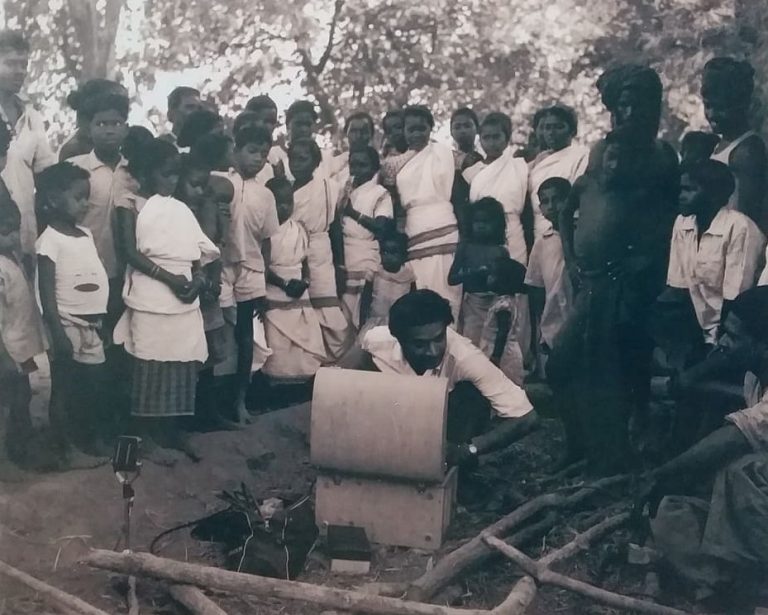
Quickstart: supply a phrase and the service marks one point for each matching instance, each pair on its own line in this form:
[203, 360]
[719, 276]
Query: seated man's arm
[514, 412]
[708, 455]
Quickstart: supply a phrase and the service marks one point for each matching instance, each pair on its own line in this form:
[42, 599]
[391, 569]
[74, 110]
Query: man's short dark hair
[416, 309]
[243, 119]
[13, 40]
[199, 123]
[179, 93]
[715, 178]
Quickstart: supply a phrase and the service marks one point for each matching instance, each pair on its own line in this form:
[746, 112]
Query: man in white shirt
[29, 152]
[716, 251]
[419, 341]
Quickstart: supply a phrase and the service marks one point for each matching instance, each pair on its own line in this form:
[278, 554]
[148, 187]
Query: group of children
[170, 269]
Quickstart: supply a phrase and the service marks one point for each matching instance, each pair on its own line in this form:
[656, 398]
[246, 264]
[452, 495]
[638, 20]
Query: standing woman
[726, 91]
[315, 197]
[503, 177]
[557, 126]
[424, 185]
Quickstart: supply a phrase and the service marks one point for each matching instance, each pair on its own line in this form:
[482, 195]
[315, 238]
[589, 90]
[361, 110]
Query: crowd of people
[189, 278]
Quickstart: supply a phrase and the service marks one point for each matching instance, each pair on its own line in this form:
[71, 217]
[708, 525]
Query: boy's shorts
[239, 283]
[85, 336]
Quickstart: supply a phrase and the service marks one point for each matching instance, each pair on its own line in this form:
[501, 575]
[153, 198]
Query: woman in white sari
[557, 126]
[504, 177]
[424, 184]
[315, 197]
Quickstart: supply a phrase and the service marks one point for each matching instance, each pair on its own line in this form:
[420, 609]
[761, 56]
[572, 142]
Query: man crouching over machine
[486, 410]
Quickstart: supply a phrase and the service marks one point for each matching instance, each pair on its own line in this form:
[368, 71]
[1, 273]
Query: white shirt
[717, 267]
[82, 286]
[106, 184]
[753, 421]
[463, 361]
[546, 269]
[29, 153]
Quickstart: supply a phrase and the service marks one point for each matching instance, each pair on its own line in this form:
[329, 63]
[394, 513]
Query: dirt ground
[47, 522]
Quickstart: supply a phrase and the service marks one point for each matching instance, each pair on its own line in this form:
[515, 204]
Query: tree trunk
[96, 35]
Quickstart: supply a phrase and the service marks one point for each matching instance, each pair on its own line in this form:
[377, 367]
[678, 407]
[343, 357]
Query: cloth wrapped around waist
[424, 217]
[322, 273]
[145, 294]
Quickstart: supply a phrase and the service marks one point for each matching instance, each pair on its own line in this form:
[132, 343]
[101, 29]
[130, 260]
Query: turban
[628, 76]
[730, 79]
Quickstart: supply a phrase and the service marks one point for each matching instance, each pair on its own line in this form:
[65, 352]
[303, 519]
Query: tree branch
[320, 66]
[542, 574]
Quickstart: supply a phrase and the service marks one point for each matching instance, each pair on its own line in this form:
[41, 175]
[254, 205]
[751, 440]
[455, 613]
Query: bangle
[154, 271]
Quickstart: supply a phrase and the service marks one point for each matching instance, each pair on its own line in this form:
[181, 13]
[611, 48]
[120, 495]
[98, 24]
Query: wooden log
[223, 580]
[475, 552]
[54, 595]
[546, 576]
[194, 600]
[524, 591]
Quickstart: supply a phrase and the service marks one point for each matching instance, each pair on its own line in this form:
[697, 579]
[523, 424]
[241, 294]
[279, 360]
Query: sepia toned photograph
[382, 307]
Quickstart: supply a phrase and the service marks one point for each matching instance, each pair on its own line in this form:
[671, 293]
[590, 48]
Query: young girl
[21, 338]
[500, 335]
[74, 290]
[365, 214]
[476, 261]
[394, 279]
[315, 207]
[292, 328]
[162, 328]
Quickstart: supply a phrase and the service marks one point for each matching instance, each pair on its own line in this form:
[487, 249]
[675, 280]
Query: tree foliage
[374, 54]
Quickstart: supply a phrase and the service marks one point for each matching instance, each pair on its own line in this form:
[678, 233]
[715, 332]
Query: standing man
[627, 203]
[182, 102]
[29, 152]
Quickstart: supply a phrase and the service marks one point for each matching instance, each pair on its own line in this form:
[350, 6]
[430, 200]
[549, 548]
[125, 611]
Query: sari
[569, 163]
[291, 325]
[315, 208]
[361, 249]
[424, 184]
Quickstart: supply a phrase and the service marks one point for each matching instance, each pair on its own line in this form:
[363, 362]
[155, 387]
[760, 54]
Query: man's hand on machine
[462, 455]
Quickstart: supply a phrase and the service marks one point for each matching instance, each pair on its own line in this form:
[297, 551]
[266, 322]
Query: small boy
[253, 220]
[264, 111]
[21, 335]
[716, 251]
[251, 119]
[549, 286]
[107, 124]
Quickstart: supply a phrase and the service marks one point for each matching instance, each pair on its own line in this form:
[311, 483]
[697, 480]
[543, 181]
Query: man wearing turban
[627, 203]
[726, 90]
